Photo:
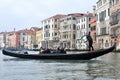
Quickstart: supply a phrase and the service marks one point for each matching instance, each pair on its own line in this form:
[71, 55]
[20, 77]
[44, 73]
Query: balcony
[114, 19]
[102, 34]
[113, 35]
[46, 38]
[55, 38]
[65, 39]
[65, 30]
[46, 27]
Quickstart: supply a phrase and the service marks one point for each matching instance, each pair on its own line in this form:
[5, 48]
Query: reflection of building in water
[114, 59]
[104, 69]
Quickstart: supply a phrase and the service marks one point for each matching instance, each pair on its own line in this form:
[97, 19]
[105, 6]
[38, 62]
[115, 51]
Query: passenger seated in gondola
[62, 50]
[41, 50]
[58, 50]
[47, 51]
[24, 51]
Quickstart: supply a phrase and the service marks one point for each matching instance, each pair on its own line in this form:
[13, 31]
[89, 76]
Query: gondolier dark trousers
[90, 45]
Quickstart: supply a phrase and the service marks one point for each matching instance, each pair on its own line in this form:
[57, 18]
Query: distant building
[2, 39]
[13, 39]
[51, 28]
[34, 30]
[9, 39]
[26, 37]
[39, 37]
[68, 31]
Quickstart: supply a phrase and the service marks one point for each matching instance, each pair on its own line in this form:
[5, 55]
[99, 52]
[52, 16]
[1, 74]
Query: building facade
[26, 38]
[68, 31]
[51, 32]
[2, 39]
[103, 27]
[39, 37]
[115, 21]
[83, 28]
[13, 39]
[93, 28]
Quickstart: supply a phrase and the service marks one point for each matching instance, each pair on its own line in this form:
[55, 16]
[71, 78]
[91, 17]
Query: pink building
[13, 40]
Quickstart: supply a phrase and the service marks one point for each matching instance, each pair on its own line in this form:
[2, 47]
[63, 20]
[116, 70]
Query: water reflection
[108, 68]
[104, 68]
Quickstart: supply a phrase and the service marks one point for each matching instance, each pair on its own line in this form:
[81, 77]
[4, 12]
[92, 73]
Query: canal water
[106, 67]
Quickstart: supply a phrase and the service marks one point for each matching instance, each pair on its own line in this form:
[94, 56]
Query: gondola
[74, 56]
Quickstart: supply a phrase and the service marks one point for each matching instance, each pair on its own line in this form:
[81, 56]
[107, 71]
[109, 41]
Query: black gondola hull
[60, 56]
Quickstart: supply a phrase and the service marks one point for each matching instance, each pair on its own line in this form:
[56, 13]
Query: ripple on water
[22, 69]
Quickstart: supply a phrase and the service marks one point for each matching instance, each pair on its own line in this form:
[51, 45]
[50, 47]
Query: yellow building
[39, 37]
[68, 31]
[51, 31]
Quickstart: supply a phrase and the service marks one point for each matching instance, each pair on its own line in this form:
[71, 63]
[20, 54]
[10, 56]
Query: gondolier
[90, 41]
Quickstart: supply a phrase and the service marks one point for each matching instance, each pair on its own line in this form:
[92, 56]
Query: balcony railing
[65, 30]
[113, 35]
[115, 18]
[102, 35]
[114, 22]
[55, 38]
[65, 39]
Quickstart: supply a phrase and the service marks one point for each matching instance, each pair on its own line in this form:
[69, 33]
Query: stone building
[68, 31]
[51, 32]
[83, 28]
[103, 27]
[115, 21]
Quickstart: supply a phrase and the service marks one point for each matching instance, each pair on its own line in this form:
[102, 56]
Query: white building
[7, 40]
[2, 40]
[68, 31]
[51, 31]
[103, 19]
[83, 27]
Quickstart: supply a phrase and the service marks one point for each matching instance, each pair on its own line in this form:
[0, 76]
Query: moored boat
[74, 56]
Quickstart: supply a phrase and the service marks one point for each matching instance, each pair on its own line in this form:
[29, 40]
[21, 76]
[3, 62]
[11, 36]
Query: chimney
[94, 10]
[14, 29]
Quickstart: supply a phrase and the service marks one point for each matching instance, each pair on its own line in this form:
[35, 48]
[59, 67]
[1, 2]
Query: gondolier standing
[90, 41]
